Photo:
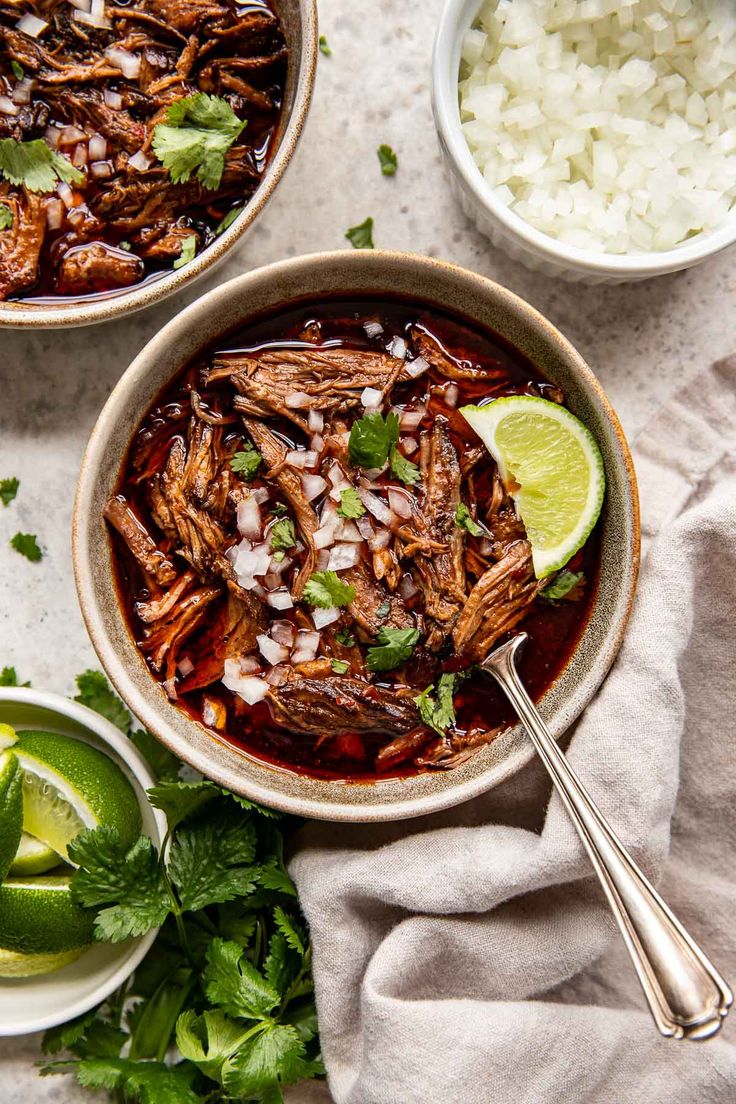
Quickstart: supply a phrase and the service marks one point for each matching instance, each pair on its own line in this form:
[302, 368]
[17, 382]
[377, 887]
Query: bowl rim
[131, 953]
[85, 568]
[455, 19]
[86, 313]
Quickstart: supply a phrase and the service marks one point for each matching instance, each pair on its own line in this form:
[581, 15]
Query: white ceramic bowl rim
[131, 953]
[456, 18]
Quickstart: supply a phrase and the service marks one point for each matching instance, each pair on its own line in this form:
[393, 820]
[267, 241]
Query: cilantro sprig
[326, 589]
[374, 440]
[247, 461]
[465, 520]
[394, 647]
[350, 504]
[196, 135]
[361, 236]
[8, 490]
[436, 704]
[283, 535]
[35, 165]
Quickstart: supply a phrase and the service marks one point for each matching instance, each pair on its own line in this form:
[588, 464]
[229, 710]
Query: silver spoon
[687, 996]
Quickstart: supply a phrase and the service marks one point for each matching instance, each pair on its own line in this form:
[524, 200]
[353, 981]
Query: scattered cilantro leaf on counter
[8, 677]
[6, 217]
[27, 545]
[326, 589]
[465, 520]
[350, 504]
[361, 236]
[17, 70]
[345, 637]
[247, 461]
[324, 46]
[196, 134]
[283, 535]
[35, 165]
[340, 666]
[8, 490]
[436, 704]
[388, 160]
[402, 468]
[568, 584]
[228, 220]
[188, 251]
[394, 647]
[371, 439]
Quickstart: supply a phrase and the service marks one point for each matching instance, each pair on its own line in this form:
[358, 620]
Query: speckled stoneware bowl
[314, 278]
[299, 20]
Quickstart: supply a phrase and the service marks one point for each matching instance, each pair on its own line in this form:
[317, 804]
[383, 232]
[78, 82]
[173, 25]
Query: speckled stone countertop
[642, 340]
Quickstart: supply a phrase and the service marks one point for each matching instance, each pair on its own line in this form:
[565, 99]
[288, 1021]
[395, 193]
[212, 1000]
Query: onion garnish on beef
[325, 607]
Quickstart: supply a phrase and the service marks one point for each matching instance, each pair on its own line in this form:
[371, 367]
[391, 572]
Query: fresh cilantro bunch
[197, 133]
[222, 1007]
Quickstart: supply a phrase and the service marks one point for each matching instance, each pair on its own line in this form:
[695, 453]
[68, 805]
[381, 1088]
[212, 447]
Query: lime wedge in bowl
[11, 809]
[39, 916]
[69, 786]
[552, 467]
[32, 857]
[15, 964]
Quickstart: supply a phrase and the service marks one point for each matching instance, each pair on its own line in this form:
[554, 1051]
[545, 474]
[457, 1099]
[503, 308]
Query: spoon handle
[687, 996]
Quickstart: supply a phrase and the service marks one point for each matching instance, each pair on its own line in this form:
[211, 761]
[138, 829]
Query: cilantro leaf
[8, 677]
[395, 646]
[340, 666]
[27, 545]
[388, 160]
[371, 439]
[273, 1056]
[384, 609]
[361, 236]
[128, 881]
[35, 165]
[437, 706]
[345, 637]
[326, 589]
[8, 490]
[96, 693]
[283, 535]
[196, 135]
[274, 875]
[145, 1082]
[350, 504]
[208, 860]
[17, 70]
[164, 765]
[179, 800]
[208, 1040]
[291, 931]
[188, 250]
[228, 220]
[281, 965]
[233, 982]
[402, 468]
[247, 461]
[465, 520]
[6, 221]
[324, 46]
[567, 584]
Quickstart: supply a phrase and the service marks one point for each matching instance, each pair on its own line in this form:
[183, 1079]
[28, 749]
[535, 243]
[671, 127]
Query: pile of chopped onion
[608, 124]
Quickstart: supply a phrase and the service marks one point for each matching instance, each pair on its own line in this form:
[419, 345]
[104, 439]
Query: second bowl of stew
[292, 550]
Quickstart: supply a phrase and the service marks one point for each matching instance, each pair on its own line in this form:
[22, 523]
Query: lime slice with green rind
[11, 809]
[69, 786]
[551, 465]
[39, 916]
[8, 736]
[32, 857]
[13, 964]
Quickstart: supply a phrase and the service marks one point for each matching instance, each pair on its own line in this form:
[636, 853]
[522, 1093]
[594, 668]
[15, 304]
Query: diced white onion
[324, 537]
[283, 632]
[249, 688]
[407, 587]
[416, 367]
[115, 101]
[7, 107]
[249, 664]
[316, 442]
[51, 136]
[371, 398]
[380, 540]
[22, 91]
[302, 458]
[250, 524]
[260, 494]
[343, 556]
[313, 486]
[324, 617]
[90, 19]
[373, 329]
[101, 170]
[296, 400]
[70, 135]
[323, 558]
[364, 526]
[450, 395]
[81, 5]
[306, 647]
[54, 213]
[97, 148]
[185, 666]
[280, 599]
[348, 531]
[397, 348]
[278, 675]
[271, 650]
[400, 502]
[486, 546]
[65, 194]
[376, 506]
[409, 445]
[139, 161]
[79, 157]
[78, 214]
[336, 474]
[410, 419]
[31, 25]
[315, 421]
[209, 715]
[128, 64]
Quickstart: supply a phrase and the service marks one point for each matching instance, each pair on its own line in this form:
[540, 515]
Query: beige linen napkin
[468, 957]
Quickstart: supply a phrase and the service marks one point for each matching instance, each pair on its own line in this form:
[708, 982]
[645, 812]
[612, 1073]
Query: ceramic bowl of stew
[271, 606]
[161, 133]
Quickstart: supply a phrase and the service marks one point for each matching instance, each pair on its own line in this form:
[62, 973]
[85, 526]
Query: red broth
[554, 628]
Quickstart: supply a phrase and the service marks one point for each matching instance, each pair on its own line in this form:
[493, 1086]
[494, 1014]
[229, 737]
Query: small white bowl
[507, 230]
[37, 1003]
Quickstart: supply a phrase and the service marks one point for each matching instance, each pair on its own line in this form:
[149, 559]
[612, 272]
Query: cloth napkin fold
[469, 957]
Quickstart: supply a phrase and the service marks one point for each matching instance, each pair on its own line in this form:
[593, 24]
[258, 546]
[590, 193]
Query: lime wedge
[11, 809]
[551, 465]
[13, 964]
[38, 916]
[8, 736]
[32, 857]
[69, 786]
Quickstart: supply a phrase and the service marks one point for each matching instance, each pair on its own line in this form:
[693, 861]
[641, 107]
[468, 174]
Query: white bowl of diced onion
[604, 237]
